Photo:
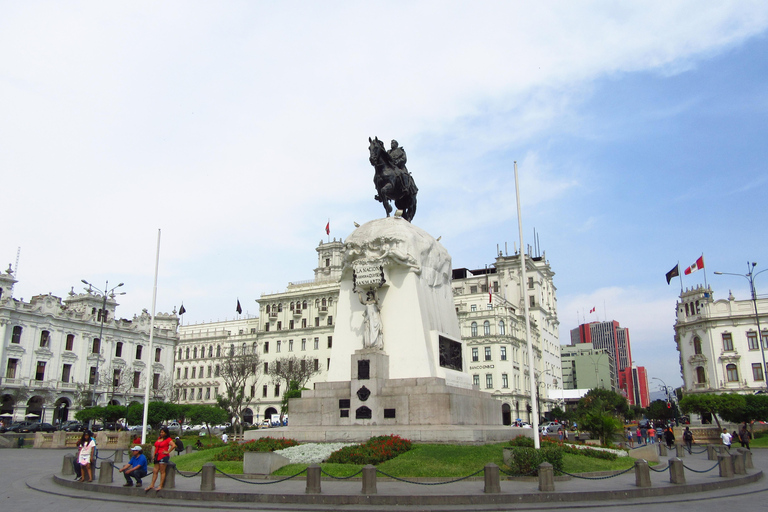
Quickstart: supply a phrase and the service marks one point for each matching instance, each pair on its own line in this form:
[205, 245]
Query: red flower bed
[375, 451]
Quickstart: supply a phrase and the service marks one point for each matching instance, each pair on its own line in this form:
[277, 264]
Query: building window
[264, 391]
[473, 289]
[66, 372]
[185, 394]
[330, 341]
[489, 306]
[504, 354]
[700, 377]
[137, 380]
[476, 380]
[266, 368]
[266, 347]
[210, 351]
[92, 375]
[317, 364]
[186, 372]
[277, 390]
[757, 371]
[751, 341]
[696, 345]
[290, 324]
[280, 308]
[178, 373]
[44, 338]
[119, 349]
[279, 325]
[194, 353]
[70, 344]
[303, 344]
[96, 348]
[187, 352]
[16, 336]
[530, 283]
[532, 301]
[158, 351]
[138, 351]
[473, 329]
[727, 342]
[200, 393]
[330, 319]
[502, 329]
[194, 370]
[504, 380]
[487, 353]
[10, 372]
[317, 343]
[486, 328]
[290, 345]
[115, 378]
[207, 393]
[266, 326]
[303, 323]
[279, 346]
[216, 371]
[210, 370]
[732, 373]
[473, 307]
[488, 381]
[317, 321]
[475, 355]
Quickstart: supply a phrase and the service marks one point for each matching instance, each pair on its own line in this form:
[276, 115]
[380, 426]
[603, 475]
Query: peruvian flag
[328, 228]
[592, 310]
[696, 266]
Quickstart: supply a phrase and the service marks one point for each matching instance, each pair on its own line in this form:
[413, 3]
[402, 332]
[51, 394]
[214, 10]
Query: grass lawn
[423, 460]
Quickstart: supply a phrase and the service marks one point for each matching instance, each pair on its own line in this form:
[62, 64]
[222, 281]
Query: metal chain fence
[705, 471]
[430, 483]
[599, 477]
[256, 482]
[340, 477]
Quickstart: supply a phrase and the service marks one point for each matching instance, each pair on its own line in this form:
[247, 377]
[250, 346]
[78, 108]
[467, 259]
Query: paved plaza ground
[26, 484]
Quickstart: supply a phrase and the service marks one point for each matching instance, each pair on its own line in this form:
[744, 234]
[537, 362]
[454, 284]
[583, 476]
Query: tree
[708, 403]
[599, 412]
[604, 399]
[658, 410]
[293, 391]
[743, 408]
[236, 370]
[207, 415]
[285, 371]
[83, 397]
[157, 413]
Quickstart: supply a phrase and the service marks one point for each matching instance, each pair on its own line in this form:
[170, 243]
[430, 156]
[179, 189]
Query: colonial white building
[54, 359]
[300, 322]
[718, 343]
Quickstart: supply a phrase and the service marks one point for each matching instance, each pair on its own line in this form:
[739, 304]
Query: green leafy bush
[374, 451]
[526, 460]
[236, 451]
[522, 441]
[587, 452]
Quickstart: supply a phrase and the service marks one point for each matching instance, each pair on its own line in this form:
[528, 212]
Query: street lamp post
[750, 276]
[104, 293]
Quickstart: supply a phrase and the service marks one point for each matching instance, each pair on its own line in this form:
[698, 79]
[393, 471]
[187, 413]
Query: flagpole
[681, 277]
[151, 352]
[705, 271]
[529, 344]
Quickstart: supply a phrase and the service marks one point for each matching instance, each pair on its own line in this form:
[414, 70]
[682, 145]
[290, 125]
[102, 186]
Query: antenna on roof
[16, 268]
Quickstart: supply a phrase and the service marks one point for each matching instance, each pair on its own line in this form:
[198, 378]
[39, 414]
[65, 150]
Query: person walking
[87, 456]
[726, 437]
[744, 436]
[652, 435]
[639, 435]
[161, 453]
[669, 437]
[629, 438]
[688, 439]
[136, 468]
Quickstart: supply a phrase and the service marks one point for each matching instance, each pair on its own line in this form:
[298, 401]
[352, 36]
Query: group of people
[137, 466]
[742, 437]
[649, 435]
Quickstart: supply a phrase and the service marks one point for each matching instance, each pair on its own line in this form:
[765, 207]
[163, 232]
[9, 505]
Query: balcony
[323, 310]
[297, 312]
[273, 314]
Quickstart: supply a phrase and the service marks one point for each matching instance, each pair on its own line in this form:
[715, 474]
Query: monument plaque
[367, 275]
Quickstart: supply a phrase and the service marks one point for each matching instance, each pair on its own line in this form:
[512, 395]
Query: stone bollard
[679, 451]
[313, 479]
[170, 476]
[187, 449]
[747, 458]
[369, 479]
[642, 473]
[738, 464]
[546, 477]
[492, 484]
[208, 477]
[105, 472]
[118, 455]
[676, 471]
[68, 467]
[726, 466]
[711, 453]
[663, 450]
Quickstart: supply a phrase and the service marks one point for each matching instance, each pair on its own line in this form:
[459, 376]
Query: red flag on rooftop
[696, 266]
[328, 228]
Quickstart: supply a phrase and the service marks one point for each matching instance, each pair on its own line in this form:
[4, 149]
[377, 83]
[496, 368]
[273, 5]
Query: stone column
[492, 483]
[726, 466]
[738, 464]
[369, 479]
[676, 471]
[711, 454]
[67, 466]
[747, 458]
[170, 476]
[679, 451]
[663, 450]
[642, 473]
[546, 477]
[313, 479]
[105, 472]
[208, 477]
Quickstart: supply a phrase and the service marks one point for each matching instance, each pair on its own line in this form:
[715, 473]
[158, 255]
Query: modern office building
[585, 367]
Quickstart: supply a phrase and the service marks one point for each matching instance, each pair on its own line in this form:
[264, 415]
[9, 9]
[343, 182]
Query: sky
[239, 129]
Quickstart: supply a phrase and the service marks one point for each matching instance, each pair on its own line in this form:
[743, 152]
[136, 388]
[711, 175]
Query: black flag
[239, 309]
[182, 310]
[673, 273]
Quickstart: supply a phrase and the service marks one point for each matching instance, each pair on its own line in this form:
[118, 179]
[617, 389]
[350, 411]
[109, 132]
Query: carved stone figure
[392, 180]
[372, 335]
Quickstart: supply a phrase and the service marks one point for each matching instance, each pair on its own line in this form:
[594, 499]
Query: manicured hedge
[235, 451]
[525, 461]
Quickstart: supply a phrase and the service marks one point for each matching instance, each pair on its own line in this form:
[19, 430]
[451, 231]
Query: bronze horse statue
[393, 182]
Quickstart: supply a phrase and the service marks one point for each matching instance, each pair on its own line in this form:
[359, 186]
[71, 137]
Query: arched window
[96, 348]
[330, 302]
[502, 330]
[210, 351]
[304, 305]
[254, 347]
[486, 328]
[473, 329]
[267, 308]
[292, 307]
[218, 351]
[324, 303]
[194, 352]
[231, 349]
[179, 354]
[700, 377]
[280, 308]
[732, 373]
[187, 352]
[696, 345]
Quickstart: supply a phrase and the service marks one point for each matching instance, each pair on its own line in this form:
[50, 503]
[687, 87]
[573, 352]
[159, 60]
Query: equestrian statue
[392, 180]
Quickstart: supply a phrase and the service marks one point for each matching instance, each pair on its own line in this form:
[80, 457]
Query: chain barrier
[703, 450]
[598, 477]
[705, 471]
[340, 477]
[188, 476]
[660, 470]
[105, 458]
[430, 483]
[256, 482]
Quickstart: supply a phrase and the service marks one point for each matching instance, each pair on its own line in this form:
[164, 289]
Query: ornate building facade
[718, 342]
[59, 354]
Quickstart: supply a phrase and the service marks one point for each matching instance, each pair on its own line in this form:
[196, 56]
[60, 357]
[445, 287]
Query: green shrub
[374, 451]
[524, 441]
[587, 452]
[236, 451]
[526, 460]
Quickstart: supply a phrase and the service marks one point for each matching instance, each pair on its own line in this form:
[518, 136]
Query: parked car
[8, 426]
[42, 427]
[21, 427]
[72, 426]
[551, 427]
